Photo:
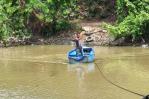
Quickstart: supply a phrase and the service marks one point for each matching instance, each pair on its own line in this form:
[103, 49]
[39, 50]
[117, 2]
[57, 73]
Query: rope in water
[116, 84]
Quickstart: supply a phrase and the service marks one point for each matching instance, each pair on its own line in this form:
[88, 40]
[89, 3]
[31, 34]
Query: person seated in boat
[77, 38]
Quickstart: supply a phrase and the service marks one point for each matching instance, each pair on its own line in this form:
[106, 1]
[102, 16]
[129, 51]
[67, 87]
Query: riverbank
[90, 38]
[94, 35]
[99, 38]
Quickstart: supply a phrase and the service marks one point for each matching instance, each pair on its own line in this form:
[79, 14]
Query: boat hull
[87, 56]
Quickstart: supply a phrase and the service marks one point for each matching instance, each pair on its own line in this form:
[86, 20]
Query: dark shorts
[77, 43]
[78, 46]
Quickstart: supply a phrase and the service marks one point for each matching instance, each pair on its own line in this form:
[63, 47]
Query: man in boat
[77, 38]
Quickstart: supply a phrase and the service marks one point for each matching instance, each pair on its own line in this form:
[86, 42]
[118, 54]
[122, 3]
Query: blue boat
[86, 56]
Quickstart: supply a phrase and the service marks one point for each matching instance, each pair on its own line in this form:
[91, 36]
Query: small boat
[86, 56]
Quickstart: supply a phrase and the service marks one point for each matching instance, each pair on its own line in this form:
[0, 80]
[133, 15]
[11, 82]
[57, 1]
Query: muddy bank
[94, 35]
[34, 41]
[94, 38]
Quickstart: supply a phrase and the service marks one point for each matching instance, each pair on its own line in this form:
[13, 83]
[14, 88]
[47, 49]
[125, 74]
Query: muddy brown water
[42, 72]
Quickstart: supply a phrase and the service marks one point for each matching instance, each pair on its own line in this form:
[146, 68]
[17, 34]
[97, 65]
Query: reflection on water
[81, 69]
[42, 72]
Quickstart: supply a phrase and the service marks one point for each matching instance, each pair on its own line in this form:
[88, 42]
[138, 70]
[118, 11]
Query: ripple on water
[42, 72]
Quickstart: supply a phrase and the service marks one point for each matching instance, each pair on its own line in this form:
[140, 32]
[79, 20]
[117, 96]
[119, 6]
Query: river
[42, 72]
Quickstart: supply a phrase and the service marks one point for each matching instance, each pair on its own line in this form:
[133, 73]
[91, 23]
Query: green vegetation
[54, 13]
[19, 18]
[96, 8]
[132, 19]
[13, 18]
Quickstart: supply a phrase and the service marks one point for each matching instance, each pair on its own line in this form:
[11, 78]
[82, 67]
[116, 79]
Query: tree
[133, 19]
[55, 13]
[12, 19]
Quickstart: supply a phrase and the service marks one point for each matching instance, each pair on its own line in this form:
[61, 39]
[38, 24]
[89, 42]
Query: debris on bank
[94, 35]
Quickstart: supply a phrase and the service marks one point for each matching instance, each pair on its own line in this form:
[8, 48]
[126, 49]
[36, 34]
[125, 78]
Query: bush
[12, 19]
[96, 8]
[131, 20]
[56, 13]
[50, 16]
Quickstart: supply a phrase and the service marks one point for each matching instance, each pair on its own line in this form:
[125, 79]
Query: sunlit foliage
[132, 19]
[16, 16]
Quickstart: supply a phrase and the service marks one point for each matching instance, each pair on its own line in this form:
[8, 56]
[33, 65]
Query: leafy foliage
[132, 17]
[15, 16]
[21, 17]
[96, 8]
[54, 12]
[12, 18]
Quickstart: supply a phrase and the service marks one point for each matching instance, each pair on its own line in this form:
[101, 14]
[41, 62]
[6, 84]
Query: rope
[116, 84]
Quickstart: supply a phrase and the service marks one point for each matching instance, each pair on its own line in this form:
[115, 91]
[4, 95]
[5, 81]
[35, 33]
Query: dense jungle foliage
[132, 20]
[97, 8]
[21, 18]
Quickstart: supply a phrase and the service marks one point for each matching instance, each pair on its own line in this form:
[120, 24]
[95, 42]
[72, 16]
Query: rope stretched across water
[116, 84]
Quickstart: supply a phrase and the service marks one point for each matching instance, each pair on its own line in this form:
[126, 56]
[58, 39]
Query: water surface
[42, 72]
